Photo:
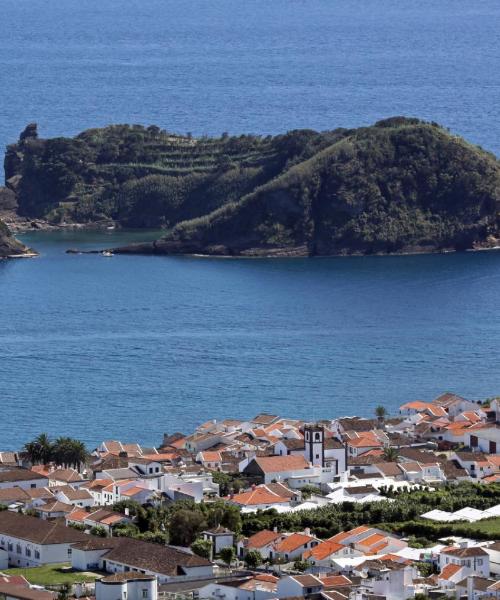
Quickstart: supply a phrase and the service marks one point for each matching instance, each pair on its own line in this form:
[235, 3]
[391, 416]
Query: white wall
[22, 553]
[127, 590]
[25, 485]
[82, 560]
[220, 591]
[4, 559]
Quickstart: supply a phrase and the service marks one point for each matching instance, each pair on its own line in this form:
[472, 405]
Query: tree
[99, 531]
[185, 525]
[202, 548]
[308, 489]
[228, 554]
[158, 537]
[381, 413]
[227, 515]
[68, 452]
[300, 565]
[253, 559]
[390, 454]
[126, 530]
[39, 451]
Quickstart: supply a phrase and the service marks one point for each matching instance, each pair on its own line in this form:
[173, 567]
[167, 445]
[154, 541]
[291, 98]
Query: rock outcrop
[10, 246]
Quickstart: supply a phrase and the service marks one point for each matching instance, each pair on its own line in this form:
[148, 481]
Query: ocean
[131, 347]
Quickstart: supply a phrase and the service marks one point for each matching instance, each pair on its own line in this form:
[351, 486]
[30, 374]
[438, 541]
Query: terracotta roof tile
[262, 538]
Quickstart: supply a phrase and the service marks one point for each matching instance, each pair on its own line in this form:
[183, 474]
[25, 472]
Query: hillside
[143, 176]
[401, 185]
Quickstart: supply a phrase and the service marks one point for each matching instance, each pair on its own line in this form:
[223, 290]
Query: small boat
[107, 253]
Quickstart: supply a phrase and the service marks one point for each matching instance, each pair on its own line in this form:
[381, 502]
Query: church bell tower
[314, 443]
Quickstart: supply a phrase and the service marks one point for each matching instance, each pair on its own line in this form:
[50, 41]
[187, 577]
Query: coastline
[284, 255]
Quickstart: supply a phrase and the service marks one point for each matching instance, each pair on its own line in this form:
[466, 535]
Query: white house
[127, 586]
[22, 478]
[473, 560]
[258, 587]
[77, 497]
[124, 555]
[387, 579]
[220, 538]
[263, 541]
[453, 404]
[294, 586]
[483, 437]
[31, 542]
[493, 551]
[293, 546]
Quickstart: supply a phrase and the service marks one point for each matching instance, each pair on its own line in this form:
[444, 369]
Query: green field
[56, 574]
[490, 527]
[485, 530]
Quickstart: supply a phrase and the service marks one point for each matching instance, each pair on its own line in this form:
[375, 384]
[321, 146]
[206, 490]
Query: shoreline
[284, 256]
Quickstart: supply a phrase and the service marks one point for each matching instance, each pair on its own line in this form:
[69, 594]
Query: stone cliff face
[9, 246]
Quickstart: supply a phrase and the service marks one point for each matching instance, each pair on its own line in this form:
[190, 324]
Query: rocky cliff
[9, 246]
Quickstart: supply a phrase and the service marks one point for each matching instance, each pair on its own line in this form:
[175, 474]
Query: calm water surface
[135, 346]
[245, 66]
[130, 347]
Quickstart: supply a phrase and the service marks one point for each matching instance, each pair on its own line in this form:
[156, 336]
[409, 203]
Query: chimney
[253, 486]
[307, 531]
[275, 529]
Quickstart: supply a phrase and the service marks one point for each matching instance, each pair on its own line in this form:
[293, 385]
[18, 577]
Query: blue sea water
[130, 347]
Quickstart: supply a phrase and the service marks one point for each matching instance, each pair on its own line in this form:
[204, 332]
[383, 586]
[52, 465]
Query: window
[70, 551]
[37, 554]
[479, 562]
[28, 552]
[317, 455]
[19, 550]
[11, 547]
[144, 593]
[33, 485]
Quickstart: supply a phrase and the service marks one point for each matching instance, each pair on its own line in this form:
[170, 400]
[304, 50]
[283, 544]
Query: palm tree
[380, 413]
[390, 454]
[69, 452]
[45, 448]
[38, 450]
[79, 454]
[31, 452]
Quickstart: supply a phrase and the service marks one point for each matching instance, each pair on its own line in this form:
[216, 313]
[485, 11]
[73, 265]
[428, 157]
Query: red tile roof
[262, 538]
